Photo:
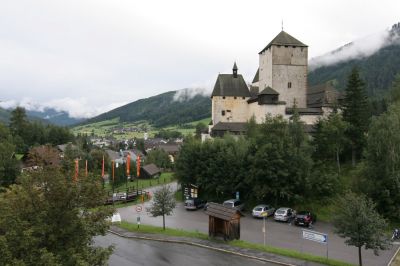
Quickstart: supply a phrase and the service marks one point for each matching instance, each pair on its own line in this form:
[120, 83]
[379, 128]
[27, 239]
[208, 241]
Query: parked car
[234, 203]
[194, 204]
[262, 208]
[284, 214]
[305, 218]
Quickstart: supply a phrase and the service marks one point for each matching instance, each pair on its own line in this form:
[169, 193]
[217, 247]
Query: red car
[305, 218]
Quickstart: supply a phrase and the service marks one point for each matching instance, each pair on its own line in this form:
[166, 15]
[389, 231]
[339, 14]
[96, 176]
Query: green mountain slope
[160, 110]
[4, 115]
[377, 70]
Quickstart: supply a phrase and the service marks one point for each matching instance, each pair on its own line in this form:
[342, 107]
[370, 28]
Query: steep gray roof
[230, 126]
[284, 38]
[256, 77]
[269, 91]
[227, 85]
[322, 95]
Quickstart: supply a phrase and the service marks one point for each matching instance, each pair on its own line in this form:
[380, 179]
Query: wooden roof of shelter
[151, 169]
[222, 212]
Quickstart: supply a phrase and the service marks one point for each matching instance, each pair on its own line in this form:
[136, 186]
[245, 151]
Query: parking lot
[278, 234]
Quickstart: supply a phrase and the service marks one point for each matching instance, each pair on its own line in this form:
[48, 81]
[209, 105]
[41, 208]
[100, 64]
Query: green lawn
[237, 243]
[165, 178]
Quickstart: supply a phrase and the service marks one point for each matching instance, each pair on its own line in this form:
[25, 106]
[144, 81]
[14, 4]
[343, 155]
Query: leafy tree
[45, 156]
[279, 162]
[356, 113]
[200, 127]
[357, 220]
[163, 203]
[330, 139]
[159, 157]
[395, 90]
[382, 167]
[46, 219]
[19, 127]
[9, 168]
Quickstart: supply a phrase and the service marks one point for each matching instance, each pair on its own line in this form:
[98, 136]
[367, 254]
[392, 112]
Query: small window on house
[235, 97]
[228, 111]
[243, 98]
[223, 97]
[223, 112]
[289, 85]
[286, 46]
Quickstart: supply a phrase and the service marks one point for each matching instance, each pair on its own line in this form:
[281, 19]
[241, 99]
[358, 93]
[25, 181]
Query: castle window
[289, 85]
[223, 112]
[279, 46]
[235, 97]
[228, 111]
[243, 98]
[286, 46]
[223, 97]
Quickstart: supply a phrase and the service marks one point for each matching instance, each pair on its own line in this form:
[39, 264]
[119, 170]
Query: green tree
[356, 113]
[357, 220]
[163, 203]
[46, 219]
[159, 157]
[382, 167]
[330, 139]
[19, 127]
[395, 90]
[9, 168]
[200, 127]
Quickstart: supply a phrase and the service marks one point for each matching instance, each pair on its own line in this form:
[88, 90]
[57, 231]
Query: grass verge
[236, 243]
[159, 230]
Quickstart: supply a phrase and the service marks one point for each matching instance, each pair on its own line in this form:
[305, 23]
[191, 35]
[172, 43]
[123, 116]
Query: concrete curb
[202, 246]
[394, 256]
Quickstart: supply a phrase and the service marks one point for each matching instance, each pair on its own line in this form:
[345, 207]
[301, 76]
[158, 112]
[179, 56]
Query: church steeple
[235, 69]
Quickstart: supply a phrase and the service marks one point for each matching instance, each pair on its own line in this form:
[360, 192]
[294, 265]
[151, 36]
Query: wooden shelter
[223, 221]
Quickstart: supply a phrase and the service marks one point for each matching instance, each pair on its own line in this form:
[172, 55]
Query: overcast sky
[90, 56]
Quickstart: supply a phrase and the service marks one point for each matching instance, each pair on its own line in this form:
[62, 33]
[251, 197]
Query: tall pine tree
[356, 113]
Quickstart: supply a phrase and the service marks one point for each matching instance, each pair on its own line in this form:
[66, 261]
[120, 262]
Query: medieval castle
[279, 83]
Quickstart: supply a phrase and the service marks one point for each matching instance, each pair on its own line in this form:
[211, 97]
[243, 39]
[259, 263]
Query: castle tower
[283, 67]
[229, 98]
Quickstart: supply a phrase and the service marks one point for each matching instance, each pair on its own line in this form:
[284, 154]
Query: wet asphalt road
[152, 253]
[277, 233]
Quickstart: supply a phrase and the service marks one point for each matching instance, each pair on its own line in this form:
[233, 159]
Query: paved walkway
[214, 245]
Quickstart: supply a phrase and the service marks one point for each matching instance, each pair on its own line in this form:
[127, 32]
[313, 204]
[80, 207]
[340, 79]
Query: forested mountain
[377, 70]
[47, 116]
[161, 110]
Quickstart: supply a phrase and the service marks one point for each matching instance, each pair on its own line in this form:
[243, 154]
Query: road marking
[394, 256]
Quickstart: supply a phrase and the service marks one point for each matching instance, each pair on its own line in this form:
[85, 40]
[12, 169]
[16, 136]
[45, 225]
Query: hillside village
[277, 144]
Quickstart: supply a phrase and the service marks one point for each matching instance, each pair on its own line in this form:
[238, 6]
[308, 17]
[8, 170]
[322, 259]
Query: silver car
[284, 214]
[234, 203]
[262, 208]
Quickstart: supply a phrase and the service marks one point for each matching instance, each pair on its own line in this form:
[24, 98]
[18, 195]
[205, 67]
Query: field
[125, 130]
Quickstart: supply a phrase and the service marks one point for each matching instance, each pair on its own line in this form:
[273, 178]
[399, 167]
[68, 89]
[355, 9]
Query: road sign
[315, 236]
[138, 208]
[237, 195]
